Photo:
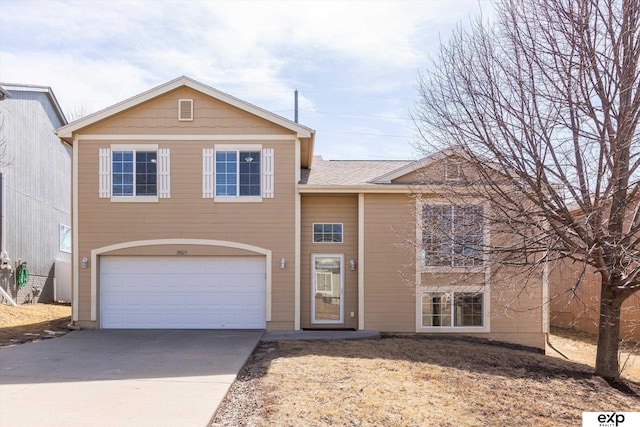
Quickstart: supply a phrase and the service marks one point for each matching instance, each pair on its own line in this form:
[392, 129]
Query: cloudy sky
[355, 63]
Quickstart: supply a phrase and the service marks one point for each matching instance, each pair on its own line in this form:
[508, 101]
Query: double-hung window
[452, 235]
[237, 173]
[134, 173]
[453, 309]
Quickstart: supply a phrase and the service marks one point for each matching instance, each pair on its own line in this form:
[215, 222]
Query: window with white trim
[134, 172]
[452, 235]
[238, 173]
[327, 233]
[64, 232]
[452, 309]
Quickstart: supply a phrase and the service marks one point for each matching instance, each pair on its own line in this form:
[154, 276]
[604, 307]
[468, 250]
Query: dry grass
[29, 322]
[414, 382]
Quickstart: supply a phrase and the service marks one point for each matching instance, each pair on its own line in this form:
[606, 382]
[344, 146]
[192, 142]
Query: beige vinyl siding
[390, 266]
[437, 172]
[318, 208]
[389, 279]
[186, 215]
[516, 314]
[159, 116]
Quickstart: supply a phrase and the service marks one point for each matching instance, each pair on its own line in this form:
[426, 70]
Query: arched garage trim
[203, 242]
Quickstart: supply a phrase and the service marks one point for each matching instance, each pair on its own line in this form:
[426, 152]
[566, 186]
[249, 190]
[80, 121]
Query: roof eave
[66, 132]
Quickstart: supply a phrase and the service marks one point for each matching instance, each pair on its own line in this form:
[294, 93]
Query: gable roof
[408, 168]
[7, 88]
[66, 132]
[347, 172]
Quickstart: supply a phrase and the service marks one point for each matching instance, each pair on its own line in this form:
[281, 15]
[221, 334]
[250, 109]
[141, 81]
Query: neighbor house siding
[389, 279]
[36, 177]
[320, 208]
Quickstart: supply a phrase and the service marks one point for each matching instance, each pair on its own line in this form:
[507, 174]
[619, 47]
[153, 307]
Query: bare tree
[78, 111]
[544, 102]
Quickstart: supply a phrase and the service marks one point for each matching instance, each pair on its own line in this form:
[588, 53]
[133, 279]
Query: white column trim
[361, 324]
[75, 265]
[297, 240]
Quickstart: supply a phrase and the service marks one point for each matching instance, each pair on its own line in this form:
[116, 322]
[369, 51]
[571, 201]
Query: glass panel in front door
[327, 289]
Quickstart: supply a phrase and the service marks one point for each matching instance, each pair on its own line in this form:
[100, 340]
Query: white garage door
[182, 293]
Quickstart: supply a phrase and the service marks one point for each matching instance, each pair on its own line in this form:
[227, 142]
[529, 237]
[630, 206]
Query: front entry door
[327, 289]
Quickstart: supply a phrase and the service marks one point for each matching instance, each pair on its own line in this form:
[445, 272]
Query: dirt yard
[414, 382]
[394, 381]
[30, 322]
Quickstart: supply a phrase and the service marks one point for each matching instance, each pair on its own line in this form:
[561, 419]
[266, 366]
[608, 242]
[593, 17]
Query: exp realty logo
[610, 419]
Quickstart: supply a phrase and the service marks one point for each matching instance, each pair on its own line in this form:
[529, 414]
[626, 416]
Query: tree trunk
[607, 363]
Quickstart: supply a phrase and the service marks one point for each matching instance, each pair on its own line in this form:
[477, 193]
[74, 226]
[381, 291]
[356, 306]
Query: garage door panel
[183, 293]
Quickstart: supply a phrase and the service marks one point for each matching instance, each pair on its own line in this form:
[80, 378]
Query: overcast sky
[355, 63]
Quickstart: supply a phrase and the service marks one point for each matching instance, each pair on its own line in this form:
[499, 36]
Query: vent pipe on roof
[295, 105]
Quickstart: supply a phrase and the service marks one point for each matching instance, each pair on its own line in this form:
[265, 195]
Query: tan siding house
[194, 209]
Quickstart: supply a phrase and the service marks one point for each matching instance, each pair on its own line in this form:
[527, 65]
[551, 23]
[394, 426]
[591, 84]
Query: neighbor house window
[452, 309]
[237, 173]
[327, 233]
[134, 173]
[452, 235]
[65, 238]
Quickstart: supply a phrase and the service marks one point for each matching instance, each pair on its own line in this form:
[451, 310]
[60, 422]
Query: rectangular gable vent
[185, 110]
[453, 171]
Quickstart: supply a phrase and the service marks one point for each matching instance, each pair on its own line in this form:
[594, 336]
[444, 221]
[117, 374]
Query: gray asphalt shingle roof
[347, 172]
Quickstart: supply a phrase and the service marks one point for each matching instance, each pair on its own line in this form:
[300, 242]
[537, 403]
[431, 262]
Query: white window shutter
[164, 173]
[104, 182]
[207, 173]
[267, 173]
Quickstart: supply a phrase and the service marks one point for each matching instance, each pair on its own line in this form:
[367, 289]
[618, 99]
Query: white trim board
[184, 137]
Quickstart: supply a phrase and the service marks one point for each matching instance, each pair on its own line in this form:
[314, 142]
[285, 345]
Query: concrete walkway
[319, 335]
[121, 377]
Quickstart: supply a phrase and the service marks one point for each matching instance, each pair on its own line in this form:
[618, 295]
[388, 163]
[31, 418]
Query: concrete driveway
[121, 377]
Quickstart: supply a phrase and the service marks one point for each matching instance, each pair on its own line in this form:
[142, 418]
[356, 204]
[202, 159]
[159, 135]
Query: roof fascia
[4, 93]
[5, 87]
[323, 189]
[417, 165]
[66, 132]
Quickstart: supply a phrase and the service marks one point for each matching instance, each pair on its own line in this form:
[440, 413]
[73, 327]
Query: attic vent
[453, 171]
[185, 110]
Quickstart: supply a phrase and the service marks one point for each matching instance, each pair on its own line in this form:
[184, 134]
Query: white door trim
[203, 242]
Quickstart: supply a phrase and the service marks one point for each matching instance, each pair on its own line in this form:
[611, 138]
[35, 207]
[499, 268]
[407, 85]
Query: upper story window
[327, 233]
[134, 173]
[452, 235]
[238, 173]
